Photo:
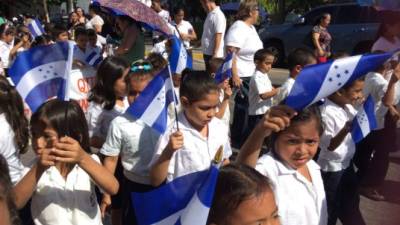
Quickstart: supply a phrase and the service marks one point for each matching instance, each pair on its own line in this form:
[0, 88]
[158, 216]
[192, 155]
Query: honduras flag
[36, 29]
[41, 73]
[321, 80]
[152, 104]
[179, 58]
[365, 120]
[225, 71]
[184, 201]
[94, 58]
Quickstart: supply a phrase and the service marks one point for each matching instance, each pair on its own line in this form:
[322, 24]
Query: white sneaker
[395, 154]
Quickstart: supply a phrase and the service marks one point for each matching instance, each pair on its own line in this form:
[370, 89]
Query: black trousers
[372, 154]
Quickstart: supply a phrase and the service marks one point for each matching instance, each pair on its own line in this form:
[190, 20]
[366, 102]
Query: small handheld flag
[320, 81]
[36, 29]
[225, 71]
[186, 200]
[179, 57]
[94, 58]
[41, 73]
[152, 104]
[365, 120]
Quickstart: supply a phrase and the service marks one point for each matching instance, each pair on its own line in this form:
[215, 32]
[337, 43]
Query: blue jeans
[342, 197]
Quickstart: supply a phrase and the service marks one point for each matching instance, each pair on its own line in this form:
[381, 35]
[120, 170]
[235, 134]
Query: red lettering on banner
[83, 86]
[84, 103]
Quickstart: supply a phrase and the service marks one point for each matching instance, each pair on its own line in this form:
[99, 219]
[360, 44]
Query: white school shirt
[334, 119]
[259, 84]
[244, 37]
[96, 20]
[215, 23]
[284, 90]
[135, 142]
[376, 85]
[299, 201]
[70, 201]
[184, 28]
[198, 151]
[99, 119]
[5, 49]
[9, 151]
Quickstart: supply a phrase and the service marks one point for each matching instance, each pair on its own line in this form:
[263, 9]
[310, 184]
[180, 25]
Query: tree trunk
[70, 6]
[46, 11]
[282, 10]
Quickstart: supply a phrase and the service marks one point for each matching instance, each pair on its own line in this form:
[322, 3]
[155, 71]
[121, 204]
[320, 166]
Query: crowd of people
[280, 166]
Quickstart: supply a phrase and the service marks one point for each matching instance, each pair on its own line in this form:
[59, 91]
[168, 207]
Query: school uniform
[135, 143]
[259, 84]
[197, 151]
[337, 168]
[69, 201]
[9, 150]
[300, 202]
[284, 90]
[372, 156]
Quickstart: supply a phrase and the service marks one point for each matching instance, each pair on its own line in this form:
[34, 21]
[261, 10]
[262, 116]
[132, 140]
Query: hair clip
[141, 66]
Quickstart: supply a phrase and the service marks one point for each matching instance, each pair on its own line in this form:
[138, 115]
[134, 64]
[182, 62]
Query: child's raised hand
[68, 150]
[46, 158]
[175, 142]
[276, 119]
[396, 73]
[227, 92]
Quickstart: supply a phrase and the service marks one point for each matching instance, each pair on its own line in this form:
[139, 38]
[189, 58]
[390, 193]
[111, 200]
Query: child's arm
[275, 120]
[224, 103]
[69, 150]
[159, 170]
[110, 163]
[269, 94]
[338, 139]
[24, 189]
[388, 98]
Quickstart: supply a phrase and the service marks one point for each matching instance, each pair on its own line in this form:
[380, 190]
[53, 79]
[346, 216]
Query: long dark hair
[73, 123]
[320, 18]
[6, 191]
[12, 106]
[109, 71]
[236, 183]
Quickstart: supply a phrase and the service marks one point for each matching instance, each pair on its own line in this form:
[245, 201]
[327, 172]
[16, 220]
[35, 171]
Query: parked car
[353, 29]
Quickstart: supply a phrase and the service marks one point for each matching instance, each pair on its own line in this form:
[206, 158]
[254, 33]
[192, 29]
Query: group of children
[89, 162]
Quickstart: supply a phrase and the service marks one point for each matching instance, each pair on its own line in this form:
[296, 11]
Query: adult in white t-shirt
[96, 22]
[212, 39]
[186, 31]
[242, 38]
[164, 14]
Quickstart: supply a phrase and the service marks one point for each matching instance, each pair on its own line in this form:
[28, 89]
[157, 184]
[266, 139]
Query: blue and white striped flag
[321, 80]
[42, 72]
[179, 58]
[151, 106]
[36, 28]
[225, 71]
[94, 58]
[184, 201]
[365, 120]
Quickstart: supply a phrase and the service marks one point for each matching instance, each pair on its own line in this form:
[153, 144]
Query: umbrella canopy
[137, 11]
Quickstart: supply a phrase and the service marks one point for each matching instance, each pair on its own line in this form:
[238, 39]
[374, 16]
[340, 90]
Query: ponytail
[12, 106]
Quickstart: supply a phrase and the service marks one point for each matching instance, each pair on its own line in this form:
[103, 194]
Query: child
[295, 177]
[7, 35]
[60, 32]
[191, 146]
[243, 196]
[223, 112]
[134, 142]
[14, 132]
[372, 155]
[62, 182]
[107, 98]
[157, 61]
[297, 60]
[93, 43]
[261, 92]
[8, 211]
[80, 53]
[337, 151]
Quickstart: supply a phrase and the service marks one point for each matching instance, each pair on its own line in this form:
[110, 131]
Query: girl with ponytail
[14, 132]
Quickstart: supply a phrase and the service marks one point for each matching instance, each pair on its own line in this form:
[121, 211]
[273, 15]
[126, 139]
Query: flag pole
[175, 104]
[68, 69]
